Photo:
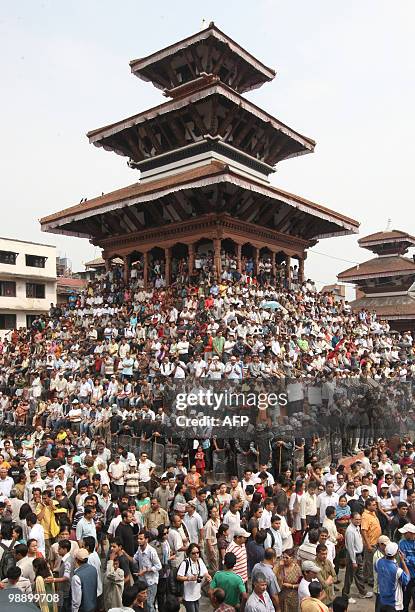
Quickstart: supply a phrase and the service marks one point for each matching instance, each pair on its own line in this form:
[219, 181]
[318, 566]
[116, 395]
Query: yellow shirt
[371, 527]
[45, 522]
[311, 604]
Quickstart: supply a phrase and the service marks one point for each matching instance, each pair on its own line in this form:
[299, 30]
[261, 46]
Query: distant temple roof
[378, 267]
[386, 236]
[98, 262]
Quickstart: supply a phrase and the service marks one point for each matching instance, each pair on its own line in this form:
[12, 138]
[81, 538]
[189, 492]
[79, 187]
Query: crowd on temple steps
[89, 520]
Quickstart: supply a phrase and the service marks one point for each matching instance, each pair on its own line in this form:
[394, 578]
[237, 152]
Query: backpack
[7, 559]
[269, 531]
[176, 587]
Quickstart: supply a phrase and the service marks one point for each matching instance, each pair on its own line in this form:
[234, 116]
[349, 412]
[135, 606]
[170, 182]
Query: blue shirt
[391, 581]
[148, 559]
[408, 549]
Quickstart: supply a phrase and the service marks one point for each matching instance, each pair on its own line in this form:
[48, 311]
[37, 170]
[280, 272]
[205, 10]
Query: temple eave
[252, 200]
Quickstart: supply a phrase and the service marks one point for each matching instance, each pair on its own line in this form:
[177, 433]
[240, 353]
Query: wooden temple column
[256, 261]
[274, 266]
[145, 268]
[167, 265]
[288, 270]
[126, 271]
[217, 264]
[239, 257]
[301, 270]
[107, 264]
[191, 253]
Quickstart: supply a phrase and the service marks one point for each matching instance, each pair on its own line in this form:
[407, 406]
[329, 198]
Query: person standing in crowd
[314, 602]
[289, 576]
[266, 568]
[231, 583]
[113, 582]
[259, 598]
[392, 579]
[36, 532]
[192, 572]
[354, 562]
[63, 581]
[407, 548]
[371, 531]
[125, 533]
[148, 567]
[238, 548]
[84, 584]
[89, 543]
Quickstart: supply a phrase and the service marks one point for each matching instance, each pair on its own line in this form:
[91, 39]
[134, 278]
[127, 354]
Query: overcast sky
[345, 77]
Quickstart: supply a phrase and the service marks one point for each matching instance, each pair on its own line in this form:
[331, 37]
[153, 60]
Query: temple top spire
[210, 53]
[388, 242]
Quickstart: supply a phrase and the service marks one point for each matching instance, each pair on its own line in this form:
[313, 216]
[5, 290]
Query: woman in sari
[44, 586]
[192, 480]
[289, 575]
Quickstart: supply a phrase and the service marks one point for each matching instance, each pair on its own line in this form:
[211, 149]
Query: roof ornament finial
[388, 225]
[206, 23]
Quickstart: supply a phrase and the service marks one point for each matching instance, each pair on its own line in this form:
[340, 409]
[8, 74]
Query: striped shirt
[241, 566]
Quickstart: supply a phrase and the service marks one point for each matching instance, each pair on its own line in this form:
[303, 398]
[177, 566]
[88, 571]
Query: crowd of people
[204, 269]
[106, 505]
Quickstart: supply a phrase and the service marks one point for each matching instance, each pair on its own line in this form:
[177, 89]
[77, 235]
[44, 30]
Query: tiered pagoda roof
[205, 157]
[385, 282]
[209, 52]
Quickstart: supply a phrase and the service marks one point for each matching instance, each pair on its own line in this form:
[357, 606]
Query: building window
[8, 257]
[35, 290]
[7, 289]
[7, 321]
[29, 320]
[35, 261]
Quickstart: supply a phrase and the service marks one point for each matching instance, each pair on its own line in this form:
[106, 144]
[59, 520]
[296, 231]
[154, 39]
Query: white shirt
[114, 524]
[192, 589]
[6, 486]
[270, 478]
[303, 590]
[144, 468]
[324, 501]
[95, 561]
[37, 532]
[117, 471]
[265, 520]
[193, 524]
[234, 522]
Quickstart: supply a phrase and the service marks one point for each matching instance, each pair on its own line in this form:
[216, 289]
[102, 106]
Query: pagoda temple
[386, 283]
[204, 157]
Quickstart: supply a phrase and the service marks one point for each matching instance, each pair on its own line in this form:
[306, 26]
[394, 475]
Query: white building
[27, 282]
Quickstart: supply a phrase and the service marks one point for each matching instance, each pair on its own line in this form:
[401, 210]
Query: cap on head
[240, 532]
[408, 528]
[391, 549]
[81, 554]
[310, 566]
